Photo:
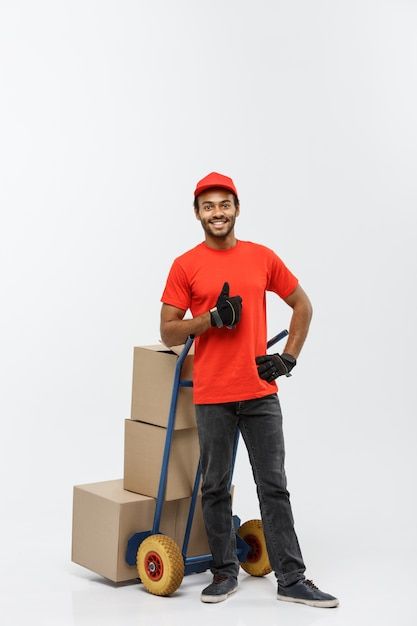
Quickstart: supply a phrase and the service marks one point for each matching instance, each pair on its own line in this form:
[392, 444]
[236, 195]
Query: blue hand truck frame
[192, 564]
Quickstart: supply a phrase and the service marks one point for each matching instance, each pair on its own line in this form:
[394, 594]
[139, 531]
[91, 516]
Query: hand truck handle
[190, 340]
[277, 338]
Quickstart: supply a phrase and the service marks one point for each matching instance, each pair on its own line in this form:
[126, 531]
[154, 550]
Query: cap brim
[200, 190]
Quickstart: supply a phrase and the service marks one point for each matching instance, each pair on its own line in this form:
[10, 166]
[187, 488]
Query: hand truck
[160, 562]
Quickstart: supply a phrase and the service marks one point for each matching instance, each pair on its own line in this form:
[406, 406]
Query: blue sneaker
[221, 587]
[306, 592]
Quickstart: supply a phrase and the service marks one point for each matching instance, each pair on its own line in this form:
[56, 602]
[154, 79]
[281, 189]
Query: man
[234, 382]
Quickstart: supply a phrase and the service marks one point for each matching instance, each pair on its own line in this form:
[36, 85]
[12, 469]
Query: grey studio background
[109, 114]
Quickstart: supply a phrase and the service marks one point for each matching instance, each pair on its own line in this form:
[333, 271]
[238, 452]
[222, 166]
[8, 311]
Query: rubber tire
[169, 556]
[252, 532]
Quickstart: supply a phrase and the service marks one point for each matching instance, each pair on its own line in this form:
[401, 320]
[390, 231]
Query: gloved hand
[270, 366]
[227, 310]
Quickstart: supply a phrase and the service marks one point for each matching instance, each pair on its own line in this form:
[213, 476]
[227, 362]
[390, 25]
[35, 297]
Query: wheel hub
[154, 566]
[255, 548]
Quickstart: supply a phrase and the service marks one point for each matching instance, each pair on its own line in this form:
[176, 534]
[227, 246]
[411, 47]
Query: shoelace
[310, 583]
[219, 578]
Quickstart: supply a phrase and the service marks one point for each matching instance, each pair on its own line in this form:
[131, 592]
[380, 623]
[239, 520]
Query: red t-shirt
[224, 363]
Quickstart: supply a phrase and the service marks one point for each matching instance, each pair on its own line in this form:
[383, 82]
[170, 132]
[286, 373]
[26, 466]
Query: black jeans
[260, 423]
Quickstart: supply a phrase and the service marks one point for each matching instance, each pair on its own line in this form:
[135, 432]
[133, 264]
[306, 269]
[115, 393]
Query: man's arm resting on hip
[175, 330]
[300, 320]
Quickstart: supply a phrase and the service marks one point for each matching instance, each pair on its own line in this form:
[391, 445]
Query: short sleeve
[177, 289]
[280, 279]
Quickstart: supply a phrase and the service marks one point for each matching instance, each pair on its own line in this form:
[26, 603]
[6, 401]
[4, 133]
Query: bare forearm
[299, 325]
[175, 332]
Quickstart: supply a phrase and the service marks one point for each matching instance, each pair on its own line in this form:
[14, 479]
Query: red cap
[214, 179]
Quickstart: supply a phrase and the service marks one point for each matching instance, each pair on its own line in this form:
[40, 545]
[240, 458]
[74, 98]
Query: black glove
[270, 366]
[227, 310]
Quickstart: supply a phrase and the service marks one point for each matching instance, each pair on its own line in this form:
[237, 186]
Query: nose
[218, 211]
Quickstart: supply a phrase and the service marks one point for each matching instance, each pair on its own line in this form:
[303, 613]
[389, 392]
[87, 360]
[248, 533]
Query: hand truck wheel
[160, 565]
[257, 562]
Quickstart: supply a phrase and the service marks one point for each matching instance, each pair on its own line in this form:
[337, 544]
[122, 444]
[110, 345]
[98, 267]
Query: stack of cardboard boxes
[107, 514]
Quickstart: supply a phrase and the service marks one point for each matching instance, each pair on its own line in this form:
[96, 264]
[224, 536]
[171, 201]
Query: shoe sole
[215, 599]
[326, 604]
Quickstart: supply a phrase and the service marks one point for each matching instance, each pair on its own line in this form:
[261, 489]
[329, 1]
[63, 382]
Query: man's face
[217, 212]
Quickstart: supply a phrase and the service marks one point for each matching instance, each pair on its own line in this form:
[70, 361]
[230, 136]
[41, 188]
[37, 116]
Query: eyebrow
[221, 202]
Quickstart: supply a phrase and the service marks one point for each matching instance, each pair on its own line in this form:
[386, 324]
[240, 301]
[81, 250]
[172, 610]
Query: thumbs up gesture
[228, 309]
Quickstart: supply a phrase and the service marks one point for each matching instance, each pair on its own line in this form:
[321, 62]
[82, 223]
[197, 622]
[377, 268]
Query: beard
[222, 233]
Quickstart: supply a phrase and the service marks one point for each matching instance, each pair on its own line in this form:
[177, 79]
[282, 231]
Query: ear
[197, 214]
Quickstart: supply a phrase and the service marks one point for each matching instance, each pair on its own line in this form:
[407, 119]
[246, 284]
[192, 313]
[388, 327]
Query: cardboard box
[153, 377]
[144, 449]
[105, 516]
